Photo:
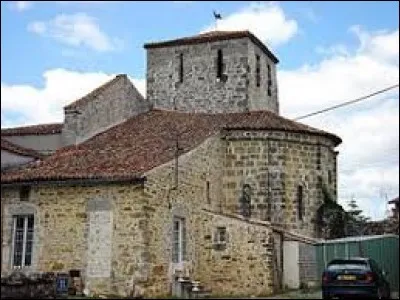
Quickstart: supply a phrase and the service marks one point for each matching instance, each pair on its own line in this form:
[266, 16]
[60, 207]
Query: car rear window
[347, 265]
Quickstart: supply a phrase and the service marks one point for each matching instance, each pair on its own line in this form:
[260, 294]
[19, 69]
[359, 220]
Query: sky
[52, 53]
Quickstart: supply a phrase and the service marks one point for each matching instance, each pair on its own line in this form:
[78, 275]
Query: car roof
[364, 259]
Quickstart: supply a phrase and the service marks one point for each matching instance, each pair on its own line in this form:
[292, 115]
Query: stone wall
[226, 272]
[259, 99]
[95, 229]
[71, 221]
[273, 165]
[167, 198]
[243, 267]
[201, 90]
[118, 102]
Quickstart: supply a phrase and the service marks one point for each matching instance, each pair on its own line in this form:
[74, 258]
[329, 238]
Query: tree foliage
[331, 217]
[356, 220]
[333, 221]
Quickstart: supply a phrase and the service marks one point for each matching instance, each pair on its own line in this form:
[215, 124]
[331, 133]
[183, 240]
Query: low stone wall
[35, 286]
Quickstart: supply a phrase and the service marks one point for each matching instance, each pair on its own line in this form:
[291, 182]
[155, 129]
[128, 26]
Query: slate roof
[17, 149]
[41, 129]
[143, 142]
[213, 36]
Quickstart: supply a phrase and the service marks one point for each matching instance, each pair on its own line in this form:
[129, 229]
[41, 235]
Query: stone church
[201, 183]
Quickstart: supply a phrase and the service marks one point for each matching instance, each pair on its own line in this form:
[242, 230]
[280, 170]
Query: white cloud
[21, 5]
[76, 30]
[369, 155]
[266, 20]
[45, 105]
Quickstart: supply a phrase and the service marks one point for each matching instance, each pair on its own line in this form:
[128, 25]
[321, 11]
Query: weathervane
[217, 17]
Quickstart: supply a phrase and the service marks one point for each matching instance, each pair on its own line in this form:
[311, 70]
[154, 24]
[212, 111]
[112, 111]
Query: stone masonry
[274, 164]
[255, 185]
[64, 238]
[259, 99]
[201, 90]
[72, 220]
[141, 240]
[110, 104]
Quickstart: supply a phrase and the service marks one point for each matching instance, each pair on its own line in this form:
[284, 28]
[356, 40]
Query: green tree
[331, 217]
[356, 222]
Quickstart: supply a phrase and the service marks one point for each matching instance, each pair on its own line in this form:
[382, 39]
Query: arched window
[300, 204]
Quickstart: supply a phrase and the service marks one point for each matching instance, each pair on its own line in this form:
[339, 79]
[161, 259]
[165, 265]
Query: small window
[300, 205]
[181, 67]
[258, 71]
[219, 64]
[269, 82]
[221, 237]
[329, 177]
[179, 240]
[22, 241]
[24, 193]
[318, 158]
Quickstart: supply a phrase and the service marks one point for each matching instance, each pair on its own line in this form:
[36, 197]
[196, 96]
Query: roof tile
[143, 142]
[33, 129]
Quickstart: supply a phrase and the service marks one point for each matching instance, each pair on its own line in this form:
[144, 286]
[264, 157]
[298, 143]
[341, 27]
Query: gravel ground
[309, 295]
[298, 295]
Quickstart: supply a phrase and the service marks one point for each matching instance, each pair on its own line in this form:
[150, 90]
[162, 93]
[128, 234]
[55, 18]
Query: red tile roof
[88, 97]
[143, 142]
[17, 149]
[213, 36]
[33, 129]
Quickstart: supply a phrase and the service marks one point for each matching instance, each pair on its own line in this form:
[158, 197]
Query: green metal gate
[384, 249]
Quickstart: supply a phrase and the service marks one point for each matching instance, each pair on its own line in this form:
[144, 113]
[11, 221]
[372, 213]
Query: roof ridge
[44, 128]
[96, 91]
[213, 36]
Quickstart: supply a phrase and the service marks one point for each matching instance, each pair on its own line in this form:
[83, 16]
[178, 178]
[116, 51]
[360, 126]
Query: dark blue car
[354, 277]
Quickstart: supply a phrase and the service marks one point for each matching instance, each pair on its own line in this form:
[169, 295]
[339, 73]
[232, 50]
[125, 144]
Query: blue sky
[139, 22]
[330, 52]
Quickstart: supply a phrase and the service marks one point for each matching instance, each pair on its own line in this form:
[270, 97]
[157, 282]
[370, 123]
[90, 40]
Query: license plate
[347, 277]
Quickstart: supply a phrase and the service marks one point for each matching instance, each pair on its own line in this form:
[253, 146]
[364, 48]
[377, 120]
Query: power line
[348, 102]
